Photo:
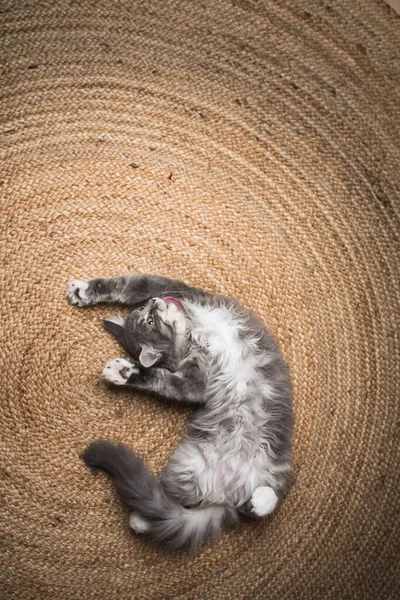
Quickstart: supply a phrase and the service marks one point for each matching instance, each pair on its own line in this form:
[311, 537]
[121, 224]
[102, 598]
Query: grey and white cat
[192, 346]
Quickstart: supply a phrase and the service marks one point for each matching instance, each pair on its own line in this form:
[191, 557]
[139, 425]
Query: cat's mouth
[172, 300]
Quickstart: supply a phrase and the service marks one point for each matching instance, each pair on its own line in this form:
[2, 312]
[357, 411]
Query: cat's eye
[150, 320]
[140, 308]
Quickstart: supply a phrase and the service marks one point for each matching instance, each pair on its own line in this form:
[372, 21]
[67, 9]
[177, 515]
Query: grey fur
[210, 351]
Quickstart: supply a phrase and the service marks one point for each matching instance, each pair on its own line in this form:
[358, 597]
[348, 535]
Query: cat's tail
[154, 512]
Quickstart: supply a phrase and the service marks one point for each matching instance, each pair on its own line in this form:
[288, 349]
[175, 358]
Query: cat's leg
[180, 477]
[160, 381]
[129, 290]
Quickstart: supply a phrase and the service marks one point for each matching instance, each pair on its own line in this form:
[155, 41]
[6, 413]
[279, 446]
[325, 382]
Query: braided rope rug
[248, 147]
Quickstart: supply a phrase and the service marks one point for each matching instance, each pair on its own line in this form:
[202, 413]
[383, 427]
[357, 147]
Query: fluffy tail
[155, 513]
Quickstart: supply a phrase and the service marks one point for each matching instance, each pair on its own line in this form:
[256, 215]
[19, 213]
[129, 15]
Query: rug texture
[248, 147]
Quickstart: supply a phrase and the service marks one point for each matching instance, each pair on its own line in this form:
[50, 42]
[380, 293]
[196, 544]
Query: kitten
[189, 345]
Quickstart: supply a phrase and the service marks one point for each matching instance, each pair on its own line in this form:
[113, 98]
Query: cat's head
[153, 333]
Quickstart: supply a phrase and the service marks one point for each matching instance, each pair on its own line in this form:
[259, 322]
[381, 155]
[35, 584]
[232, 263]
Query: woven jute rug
[249, 147]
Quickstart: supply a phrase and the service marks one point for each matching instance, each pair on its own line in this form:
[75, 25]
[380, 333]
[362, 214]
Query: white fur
[218, 330]
[244, 464]
[81, 286]
[113, 371]
[138, 524]
[264, 500]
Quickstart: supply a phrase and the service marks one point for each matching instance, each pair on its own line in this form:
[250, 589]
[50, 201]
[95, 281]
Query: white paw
[119, 370]
[263, 500]
[76, 292]
[138, 524]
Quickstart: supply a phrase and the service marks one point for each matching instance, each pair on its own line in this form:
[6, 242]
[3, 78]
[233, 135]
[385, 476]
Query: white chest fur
[219, 330]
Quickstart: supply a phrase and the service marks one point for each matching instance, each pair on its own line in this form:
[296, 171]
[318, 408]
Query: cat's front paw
[78, 292]
[119, 370]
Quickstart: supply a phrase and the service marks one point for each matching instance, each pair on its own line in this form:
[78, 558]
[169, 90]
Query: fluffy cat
[208, 350]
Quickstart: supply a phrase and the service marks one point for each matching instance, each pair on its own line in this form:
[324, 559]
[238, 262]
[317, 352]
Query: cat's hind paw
[77, 293]
[264, 500]
[119, 370]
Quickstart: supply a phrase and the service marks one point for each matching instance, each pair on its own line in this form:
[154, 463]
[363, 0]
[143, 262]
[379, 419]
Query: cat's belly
[201, 474]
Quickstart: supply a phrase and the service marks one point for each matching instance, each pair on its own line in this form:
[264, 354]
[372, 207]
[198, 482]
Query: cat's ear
[148, 357]
[115, 325]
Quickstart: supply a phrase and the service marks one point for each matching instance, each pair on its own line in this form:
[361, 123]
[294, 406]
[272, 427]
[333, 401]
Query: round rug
[251, 148]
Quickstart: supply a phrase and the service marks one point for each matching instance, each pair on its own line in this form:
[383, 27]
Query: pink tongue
[171, 300]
